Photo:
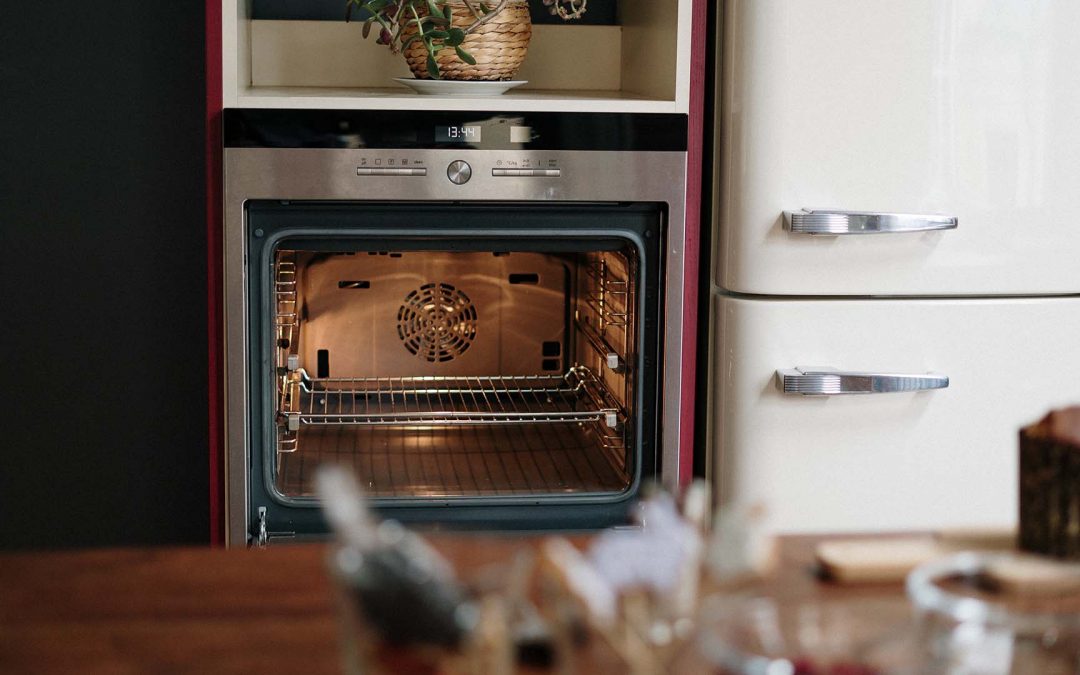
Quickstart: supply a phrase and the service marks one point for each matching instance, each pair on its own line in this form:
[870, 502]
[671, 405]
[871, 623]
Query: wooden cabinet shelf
[642, 66]
[395, 98]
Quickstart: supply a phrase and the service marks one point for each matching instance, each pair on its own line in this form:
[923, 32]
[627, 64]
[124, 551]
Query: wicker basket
[499, 46]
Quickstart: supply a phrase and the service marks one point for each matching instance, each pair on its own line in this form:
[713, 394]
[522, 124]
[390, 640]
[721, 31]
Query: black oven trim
[416, 130]
[376, 224]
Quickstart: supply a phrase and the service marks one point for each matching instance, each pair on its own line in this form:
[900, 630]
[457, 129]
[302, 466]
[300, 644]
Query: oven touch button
[459, 172]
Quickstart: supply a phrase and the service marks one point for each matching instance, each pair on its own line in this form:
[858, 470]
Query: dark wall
[102, 232]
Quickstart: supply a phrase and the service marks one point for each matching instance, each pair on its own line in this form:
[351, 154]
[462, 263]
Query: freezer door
[934, 444]
[948, 127]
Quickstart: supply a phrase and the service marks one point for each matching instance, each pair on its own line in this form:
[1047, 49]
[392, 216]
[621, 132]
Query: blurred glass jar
[759, 635]
[963, 629]
[396, 612]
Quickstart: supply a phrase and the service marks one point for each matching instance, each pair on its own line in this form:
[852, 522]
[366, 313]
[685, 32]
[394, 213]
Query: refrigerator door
[907, 411]
[942, 132]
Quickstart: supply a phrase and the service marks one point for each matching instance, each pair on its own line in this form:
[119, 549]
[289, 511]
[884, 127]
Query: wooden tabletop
[201, 610]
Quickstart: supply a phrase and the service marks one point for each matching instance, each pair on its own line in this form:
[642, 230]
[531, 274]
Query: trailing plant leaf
[367, 28]
[438, 34]
[433, 68]
[465, 56]
[455, 37]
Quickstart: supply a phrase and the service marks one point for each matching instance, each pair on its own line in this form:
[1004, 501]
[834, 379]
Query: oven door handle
[837, 222]
[825, 381]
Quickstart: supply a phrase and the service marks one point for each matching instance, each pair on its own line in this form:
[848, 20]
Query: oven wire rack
[576, 396]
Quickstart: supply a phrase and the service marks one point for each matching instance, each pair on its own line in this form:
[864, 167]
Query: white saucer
[459, 87]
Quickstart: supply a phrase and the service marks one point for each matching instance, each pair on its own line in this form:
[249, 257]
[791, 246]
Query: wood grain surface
[203, 610]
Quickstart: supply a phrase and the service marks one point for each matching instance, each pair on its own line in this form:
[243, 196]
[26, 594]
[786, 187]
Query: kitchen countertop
[173, 610]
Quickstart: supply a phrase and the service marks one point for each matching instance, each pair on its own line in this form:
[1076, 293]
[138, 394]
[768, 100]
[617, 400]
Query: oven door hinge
[263, 535]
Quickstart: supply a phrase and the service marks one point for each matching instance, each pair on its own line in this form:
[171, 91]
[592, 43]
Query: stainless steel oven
[478, 313]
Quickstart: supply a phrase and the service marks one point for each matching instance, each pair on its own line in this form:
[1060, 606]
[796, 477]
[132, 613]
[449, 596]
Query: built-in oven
[478, 314]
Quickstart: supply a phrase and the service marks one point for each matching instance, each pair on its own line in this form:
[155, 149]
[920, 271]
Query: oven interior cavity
[441, 373]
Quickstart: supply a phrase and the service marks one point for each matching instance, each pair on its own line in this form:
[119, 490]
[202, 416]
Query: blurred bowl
[758, 635]
[966, 627]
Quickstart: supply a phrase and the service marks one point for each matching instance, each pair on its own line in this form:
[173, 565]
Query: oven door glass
[454, 354]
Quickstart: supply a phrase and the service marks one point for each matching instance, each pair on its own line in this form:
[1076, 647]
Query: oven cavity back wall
[405, 314]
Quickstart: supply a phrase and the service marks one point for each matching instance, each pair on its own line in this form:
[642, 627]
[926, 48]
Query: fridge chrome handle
[837, 222]
[825, 381]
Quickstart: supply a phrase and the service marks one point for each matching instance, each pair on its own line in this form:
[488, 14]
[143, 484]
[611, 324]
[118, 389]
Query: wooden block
[877, 560]
[888, 560]
[1031, 575]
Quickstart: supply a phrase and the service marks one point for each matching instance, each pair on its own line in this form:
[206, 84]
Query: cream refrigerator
[898, 261]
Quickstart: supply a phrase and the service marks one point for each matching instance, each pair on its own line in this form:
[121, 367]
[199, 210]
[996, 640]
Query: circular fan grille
[437, 322]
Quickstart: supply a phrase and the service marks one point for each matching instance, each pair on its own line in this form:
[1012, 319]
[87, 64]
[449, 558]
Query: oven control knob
[459, 172]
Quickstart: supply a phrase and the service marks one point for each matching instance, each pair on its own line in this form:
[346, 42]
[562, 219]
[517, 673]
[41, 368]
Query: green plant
[433, 20]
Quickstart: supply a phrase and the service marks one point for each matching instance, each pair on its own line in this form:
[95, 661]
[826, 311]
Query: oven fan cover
[437, 322]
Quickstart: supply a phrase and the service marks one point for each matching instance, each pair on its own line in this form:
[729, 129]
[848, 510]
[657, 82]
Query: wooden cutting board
[889, 559]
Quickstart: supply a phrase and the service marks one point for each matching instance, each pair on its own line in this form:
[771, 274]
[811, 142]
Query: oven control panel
[460, 171]
[388, 171]
[545, 173]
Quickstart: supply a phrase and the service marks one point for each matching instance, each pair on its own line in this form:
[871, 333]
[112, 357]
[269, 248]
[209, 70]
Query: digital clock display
[458, 134]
